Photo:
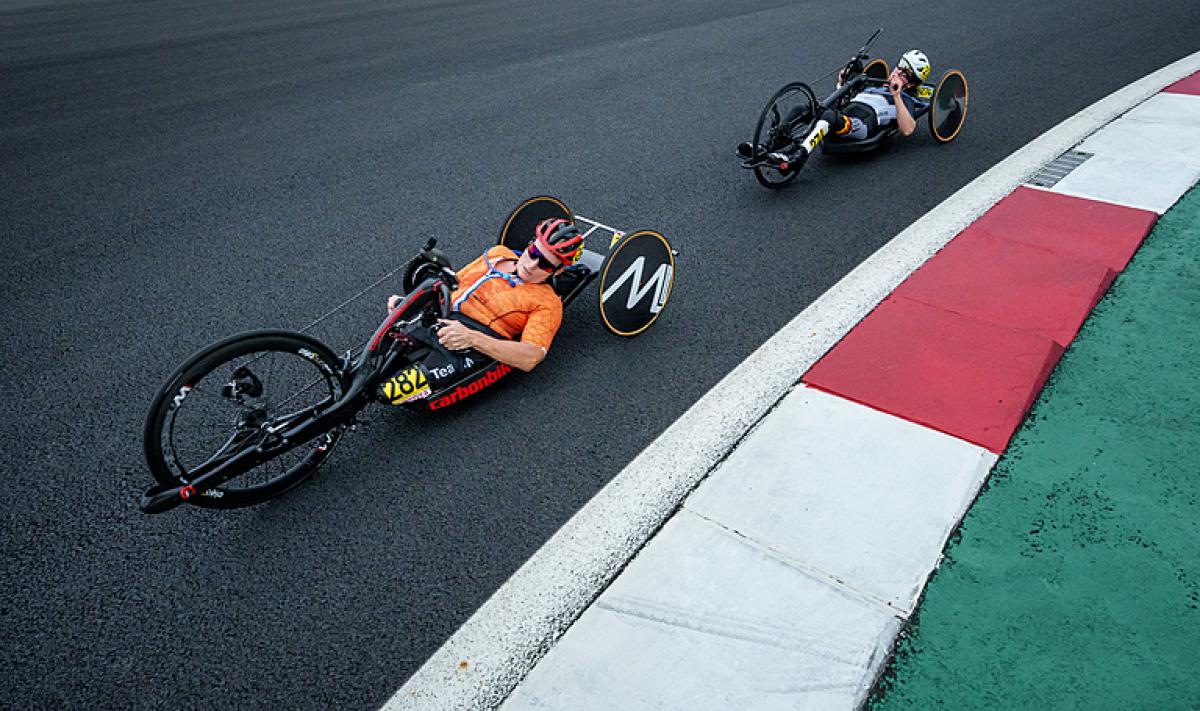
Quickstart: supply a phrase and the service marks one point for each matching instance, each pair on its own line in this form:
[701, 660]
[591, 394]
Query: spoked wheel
[417, 271]
[788, 118]
[948, 109]
[228, 398]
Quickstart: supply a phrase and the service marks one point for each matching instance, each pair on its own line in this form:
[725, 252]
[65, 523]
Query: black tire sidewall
[760, 172]
[203, 362]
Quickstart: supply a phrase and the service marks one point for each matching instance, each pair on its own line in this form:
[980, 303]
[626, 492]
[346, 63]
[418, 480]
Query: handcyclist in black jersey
[872, 110]
[875, 108]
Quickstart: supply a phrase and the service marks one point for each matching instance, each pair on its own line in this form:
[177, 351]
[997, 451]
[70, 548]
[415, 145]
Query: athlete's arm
[904, 120]
[522, 356]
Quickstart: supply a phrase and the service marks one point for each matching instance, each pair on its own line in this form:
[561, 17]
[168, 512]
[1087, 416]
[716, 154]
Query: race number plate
[635, 282]
[410, 384]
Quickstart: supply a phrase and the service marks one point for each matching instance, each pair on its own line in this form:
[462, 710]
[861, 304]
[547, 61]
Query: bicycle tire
[311, 359]
[771, 134]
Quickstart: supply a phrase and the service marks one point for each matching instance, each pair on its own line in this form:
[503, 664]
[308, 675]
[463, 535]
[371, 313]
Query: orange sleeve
[543, 323]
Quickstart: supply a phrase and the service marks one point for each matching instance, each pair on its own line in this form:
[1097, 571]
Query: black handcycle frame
[857, 75]
[359, 378]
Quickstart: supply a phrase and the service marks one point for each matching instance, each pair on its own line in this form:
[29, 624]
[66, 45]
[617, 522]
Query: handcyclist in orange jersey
[507, 294]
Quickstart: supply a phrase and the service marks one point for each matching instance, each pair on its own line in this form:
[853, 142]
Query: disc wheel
[225, 400]
[788, 117]
[948, 109]
[877, 69]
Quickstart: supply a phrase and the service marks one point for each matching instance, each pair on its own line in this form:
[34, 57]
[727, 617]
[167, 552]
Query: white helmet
[916, 64]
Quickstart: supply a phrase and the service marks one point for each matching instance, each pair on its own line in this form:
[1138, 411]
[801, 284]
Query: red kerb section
[953, 373]
[1188, 85]
[1011, 284]
[1070, 226]
[965, 344]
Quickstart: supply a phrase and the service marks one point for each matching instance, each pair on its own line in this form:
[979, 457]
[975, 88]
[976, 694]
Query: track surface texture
[174, 172]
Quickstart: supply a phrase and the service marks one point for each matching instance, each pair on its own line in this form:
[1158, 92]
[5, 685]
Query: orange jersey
[532, 311]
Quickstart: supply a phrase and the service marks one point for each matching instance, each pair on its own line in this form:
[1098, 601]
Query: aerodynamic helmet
[560, 238]
[915, 64]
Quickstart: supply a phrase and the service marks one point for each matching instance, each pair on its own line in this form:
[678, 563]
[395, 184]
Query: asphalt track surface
[176, 172]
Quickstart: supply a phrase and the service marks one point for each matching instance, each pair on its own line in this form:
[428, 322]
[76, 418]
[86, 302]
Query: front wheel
[227, 398]
[789, 116]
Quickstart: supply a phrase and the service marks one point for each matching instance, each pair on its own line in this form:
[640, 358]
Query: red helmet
[560, 238]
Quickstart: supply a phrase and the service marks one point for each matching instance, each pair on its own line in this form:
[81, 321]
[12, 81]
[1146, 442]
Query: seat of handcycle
[570, 281]
[834, 146]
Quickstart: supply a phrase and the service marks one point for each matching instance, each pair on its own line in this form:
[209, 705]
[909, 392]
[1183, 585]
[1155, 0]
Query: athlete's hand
[393, 302]
[456, 336]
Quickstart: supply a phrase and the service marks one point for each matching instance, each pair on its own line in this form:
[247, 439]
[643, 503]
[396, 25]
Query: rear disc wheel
[948, 108]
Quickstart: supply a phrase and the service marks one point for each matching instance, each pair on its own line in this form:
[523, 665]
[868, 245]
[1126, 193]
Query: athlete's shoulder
[499, 251]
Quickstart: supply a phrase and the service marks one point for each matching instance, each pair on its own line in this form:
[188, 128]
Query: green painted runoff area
[1074, 581]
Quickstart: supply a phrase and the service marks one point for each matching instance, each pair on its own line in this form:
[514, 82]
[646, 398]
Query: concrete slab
[1063, 224]
[1146, 185]
[704, 620]
[954, 373]
[1011, 284]
[864, 497]
[1174, 109]
[1148, 140]
[1124, 172]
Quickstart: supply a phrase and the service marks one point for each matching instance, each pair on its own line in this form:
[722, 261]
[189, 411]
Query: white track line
[490, 654]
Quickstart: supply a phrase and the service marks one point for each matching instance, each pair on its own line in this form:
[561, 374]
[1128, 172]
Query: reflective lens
[543, 262]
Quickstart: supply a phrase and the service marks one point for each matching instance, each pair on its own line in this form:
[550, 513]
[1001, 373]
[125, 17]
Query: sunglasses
[543, 261]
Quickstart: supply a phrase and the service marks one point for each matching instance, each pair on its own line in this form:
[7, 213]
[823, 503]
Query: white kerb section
[704, 620]
[1146, 159]
[861, 497]
[782, 582]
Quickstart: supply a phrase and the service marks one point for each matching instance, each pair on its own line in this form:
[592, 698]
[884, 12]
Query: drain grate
[1059, 168]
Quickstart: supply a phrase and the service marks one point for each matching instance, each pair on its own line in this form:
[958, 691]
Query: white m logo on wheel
[659, 281]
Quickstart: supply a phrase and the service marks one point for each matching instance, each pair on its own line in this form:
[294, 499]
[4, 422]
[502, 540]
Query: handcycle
[789, 122]
[247, 418]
